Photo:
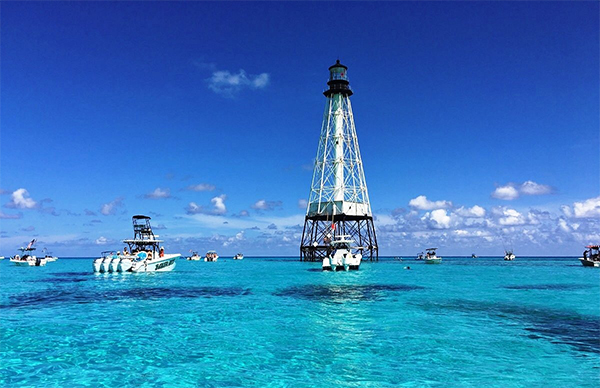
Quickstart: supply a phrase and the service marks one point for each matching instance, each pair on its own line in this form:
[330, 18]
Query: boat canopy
[593, 246]
[430, 249]
[141, 217]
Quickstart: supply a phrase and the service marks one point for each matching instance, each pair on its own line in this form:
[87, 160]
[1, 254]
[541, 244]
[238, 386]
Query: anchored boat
[211, 256]
[341, 255]
[431, 257]
[26, 258]
[591, 256]
[239, 256]
[144, 253]
[195, 256]
[509, 255]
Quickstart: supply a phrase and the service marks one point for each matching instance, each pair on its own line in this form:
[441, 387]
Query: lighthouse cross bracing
[338, 202]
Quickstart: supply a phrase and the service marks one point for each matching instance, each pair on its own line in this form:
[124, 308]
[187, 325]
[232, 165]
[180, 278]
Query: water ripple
[344, 293]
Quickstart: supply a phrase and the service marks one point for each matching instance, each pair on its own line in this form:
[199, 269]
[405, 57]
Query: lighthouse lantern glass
[336, 73]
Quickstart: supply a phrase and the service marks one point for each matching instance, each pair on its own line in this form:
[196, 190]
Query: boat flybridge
[343, 255]
[591, 256]
[144, 254]
[431, 257]
[27, 258]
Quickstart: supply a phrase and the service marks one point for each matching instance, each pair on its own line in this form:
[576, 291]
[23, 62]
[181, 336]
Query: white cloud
[512, 191]
[219, 204]
[590, 208]
[228, 84]
[201, 187]
[20, 200]
[266, 205]
[159, 193]
[511, 217]
[507, 193]
[101, 240]
[422, 203]
[476, 211]
[111, 207]
[437, 219]
[4, 216]
[532, 188]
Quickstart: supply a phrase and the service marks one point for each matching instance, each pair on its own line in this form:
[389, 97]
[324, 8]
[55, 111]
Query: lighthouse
[338, 202]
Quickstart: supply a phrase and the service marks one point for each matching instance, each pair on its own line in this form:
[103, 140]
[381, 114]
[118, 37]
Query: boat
[195, 256]
[509, 255]
[431, 257]
[144, 254]
[48, 255]
[211, 256]
[341, 255]
[239, 256]
[473, 256]
[591, 256]
[26, 258]
[419, 256]
[2, 257]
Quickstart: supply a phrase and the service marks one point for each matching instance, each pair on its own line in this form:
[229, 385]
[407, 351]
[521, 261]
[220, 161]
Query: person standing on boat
[585, 254]
[162, 252]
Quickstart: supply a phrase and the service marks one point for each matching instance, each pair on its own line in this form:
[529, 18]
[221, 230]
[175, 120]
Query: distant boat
[419, 256]
[591, 256]
[473, 256]
[195, 256]
[509, 255]
[211, 256]
[239, 256]
[342, 257]
[431, 257]
[48, 255]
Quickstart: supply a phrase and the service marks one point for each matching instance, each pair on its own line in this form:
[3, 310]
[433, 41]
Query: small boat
[419, 256]
[2, 257]
[341, 255]
[591, 256]
[239, 256]
[195, 256]
[509, 255]
[146, 254]
[48, 255]
[431, 257]
[26, 258]
[473, 256]
[211, 256]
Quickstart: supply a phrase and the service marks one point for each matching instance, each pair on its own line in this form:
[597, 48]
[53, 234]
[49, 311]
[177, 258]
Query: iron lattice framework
[338, 201]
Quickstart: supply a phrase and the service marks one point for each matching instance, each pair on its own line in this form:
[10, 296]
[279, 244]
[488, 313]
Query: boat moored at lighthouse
[343, 256]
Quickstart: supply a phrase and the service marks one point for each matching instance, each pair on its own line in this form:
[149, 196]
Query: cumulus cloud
[422, 203]
[111, 207]
[589, 208]
[20, 199]
[507, 193]
[228, 84]
[201, 187]
[512, 191]
[218, 208]
[473, 212]
[438, 219]
[158, 193]
[266, 205]
[101, 240]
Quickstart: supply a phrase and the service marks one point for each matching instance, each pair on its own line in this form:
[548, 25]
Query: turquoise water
[268, 322]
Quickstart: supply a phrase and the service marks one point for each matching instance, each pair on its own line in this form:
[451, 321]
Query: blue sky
[478, 122]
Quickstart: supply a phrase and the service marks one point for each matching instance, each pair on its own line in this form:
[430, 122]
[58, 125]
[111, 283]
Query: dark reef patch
[553, 287]
[49, 298]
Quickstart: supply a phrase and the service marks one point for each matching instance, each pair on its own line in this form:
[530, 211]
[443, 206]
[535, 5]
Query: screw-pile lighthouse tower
[338, 203]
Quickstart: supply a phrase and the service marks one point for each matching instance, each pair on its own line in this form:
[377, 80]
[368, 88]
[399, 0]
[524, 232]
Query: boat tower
[338, 202]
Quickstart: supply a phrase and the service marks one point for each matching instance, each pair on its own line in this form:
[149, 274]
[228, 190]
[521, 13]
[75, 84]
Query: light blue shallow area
[278, 322]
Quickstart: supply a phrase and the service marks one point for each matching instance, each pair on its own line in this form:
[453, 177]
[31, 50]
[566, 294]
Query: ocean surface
[279, 322]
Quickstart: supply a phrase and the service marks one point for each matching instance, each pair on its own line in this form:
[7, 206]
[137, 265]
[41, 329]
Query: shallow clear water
[267, 322]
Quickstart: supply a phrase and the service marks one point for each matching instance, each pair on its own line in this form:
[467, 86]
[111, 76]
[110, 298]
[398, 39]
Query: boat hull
[434, 261]
[161, 264]
[589, 263]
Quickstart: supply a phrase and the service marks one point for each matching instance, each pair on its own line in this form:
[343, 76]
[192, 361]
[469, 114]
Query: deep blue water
[269, 322]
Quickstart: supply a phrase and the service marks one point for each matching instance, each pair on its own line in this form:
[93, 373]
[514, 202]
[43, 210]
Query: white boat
[211, 256]
[146, 254]
[239, 256]
[343, 255]
[509, 255]
[195, 256]
[431, 257]
[26, 258]
[591, 256]
[48, 255]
